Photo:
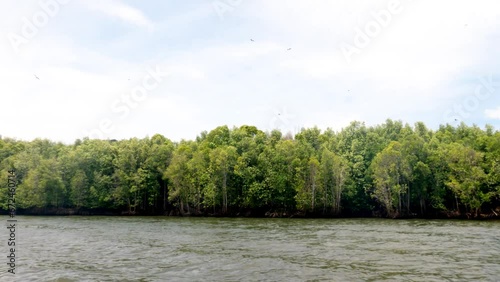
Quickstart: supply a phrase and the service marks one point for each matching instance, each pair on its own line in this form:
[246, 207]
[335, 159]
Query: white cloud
[493, 113]
[124, 12]
[318, 66]
[187, 71]
[414, 69]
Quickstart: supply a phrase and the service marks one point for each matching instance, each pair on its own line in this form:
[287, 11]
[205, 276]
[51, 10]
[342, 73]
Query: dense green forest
[392, 170]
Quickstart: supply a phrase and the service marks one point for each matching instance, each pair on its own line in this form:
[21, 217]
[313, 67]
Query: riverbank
[494, 214]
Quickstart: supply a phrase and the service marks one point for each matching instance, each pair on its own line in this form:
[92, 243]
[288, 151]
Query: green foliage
[391, 174]
[467, 178]
[392, 168]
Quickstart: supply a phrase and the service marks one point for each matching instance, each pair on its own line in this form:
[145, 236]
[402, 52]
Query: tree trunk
[198, 200]
[313, 195]
[164, 197]
[224, 193]
[422, 203]
[399, 203]
[408, 200]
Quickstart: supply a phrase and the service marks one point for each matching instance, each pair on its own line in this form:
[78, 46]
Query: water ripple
[244, 249]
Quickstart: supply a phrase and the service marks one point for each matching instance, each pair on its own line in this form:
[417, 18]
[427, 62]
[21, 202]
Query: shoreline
[241, 214]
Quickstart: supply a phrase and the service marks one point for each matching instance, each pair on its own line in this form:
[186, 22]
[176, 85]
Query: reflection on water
[246, 249]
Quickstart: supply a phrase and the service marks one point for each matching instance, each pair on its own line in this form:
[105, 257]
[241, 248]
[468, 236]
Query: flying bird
[251, 40]
[36, 77]
[289, 49]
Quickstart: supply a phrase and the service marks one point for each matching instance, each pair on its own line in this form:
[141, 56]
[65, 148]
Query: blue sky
[119, 69]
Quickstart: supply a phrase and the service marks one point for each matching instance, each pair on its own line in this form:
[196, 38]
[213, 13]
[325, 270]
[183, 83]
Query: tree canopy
[392, 170]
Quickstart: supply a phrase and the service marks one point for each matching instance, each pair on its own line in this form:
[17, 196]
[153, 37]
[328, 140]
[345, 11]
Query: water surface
[245, 249]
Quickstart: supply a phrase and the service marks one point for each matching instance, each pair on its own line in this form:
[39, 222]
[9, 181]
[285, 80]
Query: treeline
[391, 170]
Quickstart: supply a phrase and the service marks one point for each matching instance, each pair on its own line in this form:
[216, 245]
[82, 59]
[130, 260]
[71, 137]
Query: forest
[389, 170]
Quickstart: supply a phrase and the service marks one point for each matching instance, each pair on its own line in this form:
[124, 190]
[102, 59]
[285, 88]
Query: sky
[117, 69]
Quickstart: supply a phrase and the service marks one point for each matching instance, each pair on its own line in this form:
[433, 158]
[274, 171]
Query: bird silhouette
[289, 49]
[36, 77]
[252, 40]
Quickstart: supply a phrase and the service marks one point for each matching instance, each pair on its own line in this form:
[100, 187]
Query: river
[101, 248]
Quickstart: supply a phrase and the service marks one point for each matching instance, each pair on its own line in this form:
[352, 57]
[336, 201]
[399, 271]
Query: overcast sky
[119, 69]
